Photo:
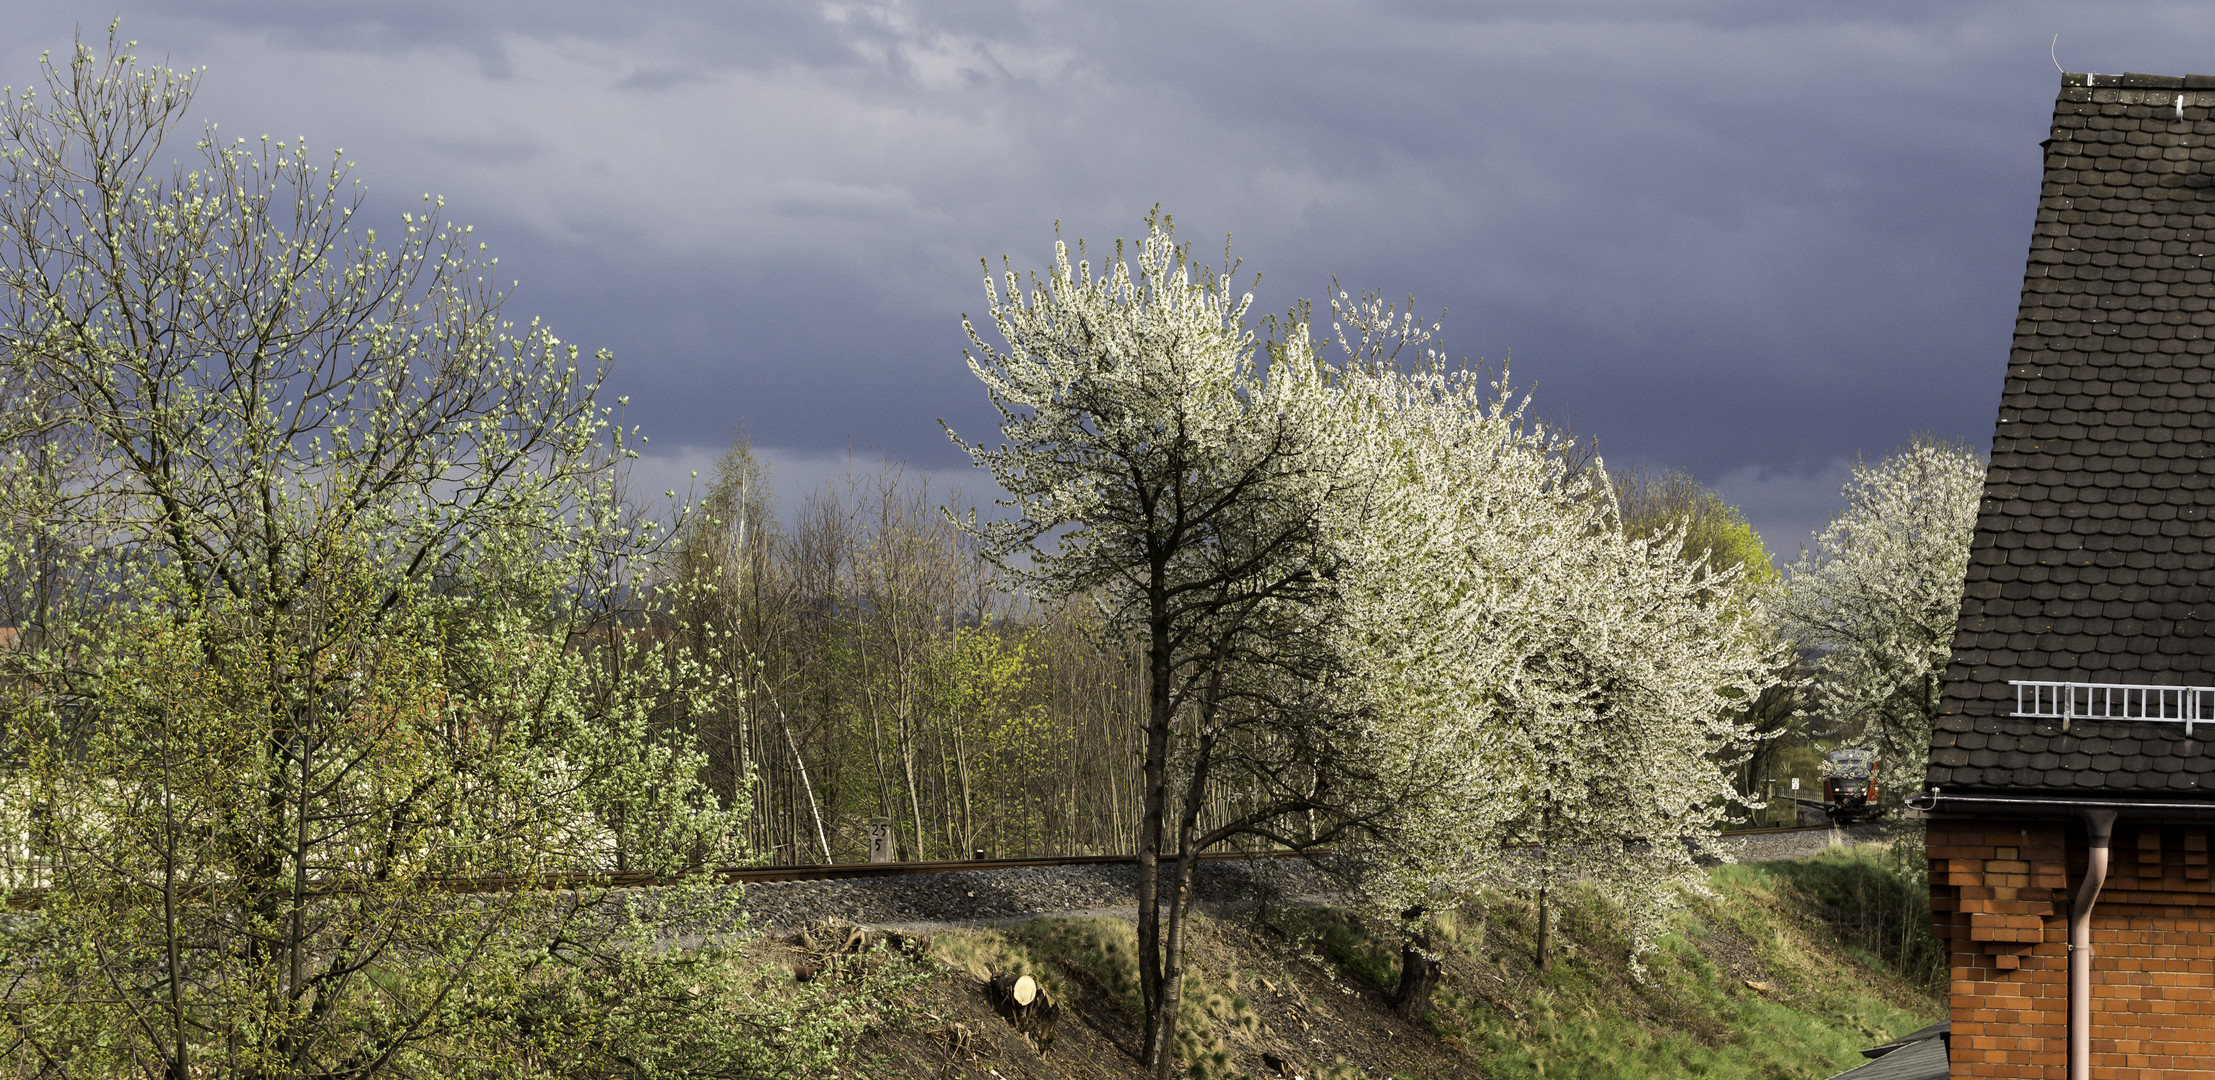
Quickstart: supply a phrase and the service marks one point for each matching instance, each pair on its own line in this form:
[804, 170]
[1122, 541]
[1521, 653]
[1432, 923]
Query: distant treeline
[884, 672]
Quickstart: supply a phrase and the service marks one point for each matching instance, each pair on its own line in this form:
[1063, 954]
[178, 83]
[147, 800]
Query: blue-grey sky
[1746, 238]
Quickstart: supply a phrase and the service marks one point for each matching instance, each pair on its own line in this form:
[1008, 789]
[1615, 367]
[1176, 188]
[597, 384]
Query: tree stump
[1025, 1005]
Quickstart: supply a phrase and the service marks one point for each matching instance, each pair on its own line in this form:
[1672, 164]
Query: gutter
[2101, 825]
[1932, 800]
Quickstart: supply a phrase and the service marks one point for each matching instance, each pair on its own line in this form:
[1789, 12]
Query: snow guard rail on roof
[2066, 701]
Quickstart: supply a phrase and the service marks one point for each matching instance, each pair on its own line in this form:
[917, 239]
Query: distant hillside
[1787, 971]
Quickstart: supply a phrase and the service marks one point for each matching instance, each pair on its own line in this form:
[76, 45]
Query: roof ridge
[2138, 81]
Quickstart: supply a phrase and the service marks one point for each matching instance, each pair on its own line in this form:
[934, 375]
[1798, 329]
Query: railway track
[21, 898]
[836, 871]
[1784, 829]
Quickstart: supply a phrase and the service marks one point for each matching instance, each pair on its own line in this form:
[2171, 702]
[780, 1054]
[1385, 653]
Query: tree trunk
[1419, 969]
[907, 768]
[961, 772]
[1156, 795]
[1545, 932]
[1162, 1024]
[806, 785]
[885, 797]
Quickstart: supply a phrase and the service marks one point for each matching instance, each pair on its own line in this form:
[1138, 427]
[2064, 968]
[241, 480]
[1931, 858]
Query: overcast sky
[1749, 240]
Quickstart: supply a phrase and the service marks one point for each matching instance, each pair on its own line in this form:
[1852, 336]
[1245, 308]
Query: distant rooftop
[1919, 1056]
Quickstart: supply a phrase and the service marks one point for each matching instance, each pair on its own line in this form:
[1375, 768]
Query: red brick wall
[2000, 895]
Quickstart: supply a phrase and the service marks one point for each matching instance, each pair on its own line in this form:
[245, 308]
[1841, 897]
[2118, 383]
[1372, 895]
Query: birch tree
[1877, 597]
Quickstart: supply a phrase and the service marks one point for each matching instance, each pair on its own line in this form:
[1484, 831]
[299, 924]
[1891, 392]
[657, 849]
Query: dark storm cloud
[1747, 239]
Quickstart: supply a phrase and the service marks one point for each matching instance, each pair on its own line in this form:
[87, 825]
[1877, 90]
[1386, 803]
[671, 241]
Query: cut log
[1025, 1005]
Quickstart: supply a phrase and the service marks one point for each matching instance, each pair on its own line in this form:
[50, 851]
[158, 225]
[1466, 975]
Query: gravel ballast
[1772, 847]
[998, 897]
[1001, 897]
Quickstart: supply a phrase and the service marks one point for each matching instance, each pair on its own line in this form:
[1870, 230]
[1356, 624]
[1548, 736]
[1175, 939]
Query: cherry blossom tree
[1544, 684]
[1159, 459]
[1374, 600]
[1650, 671]
[1877, 597]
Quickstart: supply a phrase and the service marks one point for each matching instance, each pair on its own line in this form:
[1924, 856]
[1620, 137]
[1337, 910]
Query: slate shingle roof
[2094, 558]
[1918, 1056]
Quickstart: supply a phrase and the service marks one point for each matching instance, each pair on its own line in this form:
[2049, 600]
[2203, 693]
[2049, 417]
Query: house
[2072, 770]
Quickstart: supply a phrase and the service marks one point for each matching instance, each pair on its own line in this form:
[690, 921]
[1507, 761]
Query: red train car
[1850, 784]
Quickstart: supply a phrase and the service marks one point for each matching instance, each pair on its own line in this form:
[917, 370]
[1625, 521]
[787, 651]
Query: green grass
[1105, 951]
[1824, 994]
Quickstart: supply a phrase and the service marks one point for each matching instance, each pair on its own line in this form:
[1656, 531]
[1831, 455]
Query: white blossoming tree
[1877, 597]
[1158, 460]
[1538, 680]
[1454, 557]
[1650, 677]
[1374, 601]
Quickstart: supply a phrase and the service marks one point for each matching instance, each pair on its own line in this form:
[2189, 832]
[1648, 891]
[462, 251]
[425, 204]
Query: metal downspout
[2101, 825]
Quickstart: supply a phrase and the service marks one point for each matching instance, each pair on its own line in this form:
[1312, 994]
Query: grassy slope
[1773, 976]
[1764, 979]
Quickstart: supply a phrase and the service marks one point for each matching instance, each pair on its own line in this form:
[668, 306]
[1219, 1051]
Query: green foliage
[1350, 942]
[886, 673]
[1002, 733]
[1715, 532]
[645, 1010]
[1207, 1013]
[983, 954]
[1696, 1015]
[1877, 898]
[336, 669]
[345, 951]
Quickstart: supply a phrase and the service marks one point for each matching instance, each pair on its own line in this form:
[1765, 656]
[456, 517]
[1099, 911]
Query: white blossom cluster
[1145, 372]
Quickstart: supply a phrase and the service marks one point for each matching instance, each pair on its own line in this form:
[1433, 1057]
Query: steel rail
[840, 871]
